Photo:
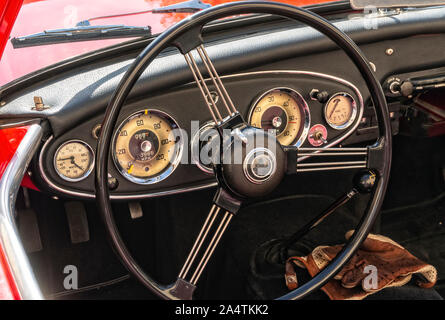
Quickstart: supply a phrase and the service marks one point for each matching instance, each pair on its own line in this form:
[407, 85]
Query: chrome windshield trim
[9, 238]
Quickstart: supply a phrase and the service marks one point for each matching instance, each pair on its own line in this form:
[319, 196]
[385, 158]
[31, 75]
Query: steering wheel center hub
[253, 163]
[259, 165]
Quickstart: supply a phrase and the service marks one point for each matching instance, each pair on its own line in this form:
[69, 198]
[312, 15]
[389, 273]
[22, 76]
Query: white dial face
[340, 111]
[145, 148]
[280, 110]
[73, 160]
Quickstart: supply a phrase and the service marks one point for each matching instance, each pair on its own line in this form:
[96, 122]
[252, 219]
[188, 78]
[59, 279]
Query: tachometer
[285, 111]
[146, 149]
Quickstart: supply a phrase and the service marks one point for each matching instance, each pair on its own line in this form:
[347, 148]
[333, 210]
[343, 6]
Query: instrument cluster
[148, 144]
[285, 111]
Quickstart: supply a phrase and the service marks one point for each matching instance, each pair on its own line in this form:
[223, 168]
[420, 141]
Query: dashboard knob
[407, 88]
[322, 96]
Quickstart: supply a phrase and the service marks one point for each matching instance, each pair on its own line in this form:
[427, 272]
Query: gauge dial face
[282, 110]
[74, 160]
[340, 111]
[145, 149]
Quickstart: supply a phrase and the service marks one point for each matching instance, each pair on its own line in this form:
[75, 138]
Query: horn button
[253, 162]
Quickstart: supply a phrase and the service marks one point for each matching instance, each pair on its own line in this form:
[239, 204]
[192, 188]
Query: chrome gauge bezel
[195, 145]
[304, 108]
[87, 172]
[169, 169]
[353, 114]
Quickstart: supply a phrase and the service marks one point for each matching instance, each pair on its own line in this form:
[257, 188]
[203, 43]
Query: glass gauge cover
[284, 111]
[74, 160]
[146, 147]
[340, 111]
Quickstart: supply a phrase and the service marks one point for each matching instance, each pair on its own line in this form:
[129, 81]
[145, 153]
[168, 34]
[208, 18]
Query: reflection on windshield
[38, 15]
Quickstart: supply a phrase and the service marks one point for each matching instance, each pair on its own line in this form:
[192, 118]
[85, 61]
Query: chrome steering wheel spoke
[209, 99]
[329, 159]
[203, 248]
[326, 159]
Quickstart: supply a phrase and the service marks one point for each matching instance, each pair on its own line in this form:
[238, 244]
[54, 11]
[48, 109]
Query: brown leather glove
[394, 265]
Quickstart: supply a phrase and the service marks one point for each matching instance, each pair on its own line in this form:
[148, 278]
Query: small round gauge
[204, 146]
[145, 147]
[285, 111]
[340, 111]
[74, 160]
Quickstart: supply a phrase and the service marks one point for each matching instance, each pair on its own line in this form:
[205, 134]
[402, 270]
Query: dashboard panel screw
[389, 51]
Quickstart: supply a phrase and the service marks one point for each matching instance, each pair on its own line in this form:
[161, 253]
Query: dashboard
[153, 145]
[281, 77]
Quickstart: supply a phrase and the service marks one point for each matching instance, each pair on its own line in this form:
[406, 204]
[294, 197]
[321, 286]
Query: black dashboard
[257, 63]
[184, 105]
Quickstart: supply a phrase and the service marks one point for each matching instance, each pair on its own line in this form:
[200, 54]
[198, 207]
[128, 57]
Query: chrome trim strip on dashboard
[9, 237]
[212, 184]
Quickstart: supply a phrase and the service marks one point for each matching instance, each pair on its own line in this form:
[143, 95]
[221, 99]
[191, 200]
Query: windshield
[36, 16]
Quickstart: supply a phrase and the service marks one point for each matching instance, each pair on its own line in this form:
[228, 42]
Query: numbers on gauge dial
[73, 160]
[340, 111]
[278, 110]
[144, 145]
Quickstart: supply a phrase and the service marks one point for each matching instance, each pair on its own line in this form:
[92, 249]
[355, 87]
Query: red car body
[38, 15]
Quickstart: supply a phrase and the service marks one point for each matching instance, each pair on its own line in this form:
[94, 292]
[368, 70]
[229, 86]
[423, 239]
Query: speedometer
[146, 147]
[284, 111]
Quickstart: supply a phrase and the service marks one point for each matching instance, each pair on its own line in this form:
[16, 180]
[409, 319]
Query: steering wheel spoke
[210, 99]
[326, 159]
[203, 248]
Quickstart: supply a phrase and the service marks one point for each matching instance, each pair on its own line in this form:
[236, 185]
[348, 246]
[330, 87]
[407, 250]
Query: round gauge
[340, 111]
[145, 148]
[74, 160]
[204, 146]
[284, 111]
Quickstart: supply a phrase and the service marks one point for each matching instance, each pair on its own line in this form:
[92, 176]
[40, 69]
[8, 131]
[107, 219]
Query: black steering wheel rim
[194, 25]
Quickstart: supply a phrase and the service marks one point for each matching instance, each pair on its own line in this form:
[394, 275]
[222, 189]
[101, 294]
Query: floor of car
[414, 209]
[413, 214]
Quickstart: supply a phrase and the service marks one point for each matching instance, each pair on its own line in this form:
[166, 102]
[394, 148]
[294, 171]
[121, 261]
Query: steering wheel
[262, 168]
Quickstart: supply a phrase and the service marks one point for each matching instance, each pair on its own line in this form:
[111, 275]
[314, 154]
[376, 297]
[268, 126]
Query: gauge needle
[63, 159]
[72, 162]
[336, 101]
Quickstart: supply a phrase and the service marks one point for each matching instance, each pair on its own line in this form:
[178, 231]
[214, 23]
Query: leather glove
[394, 266]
